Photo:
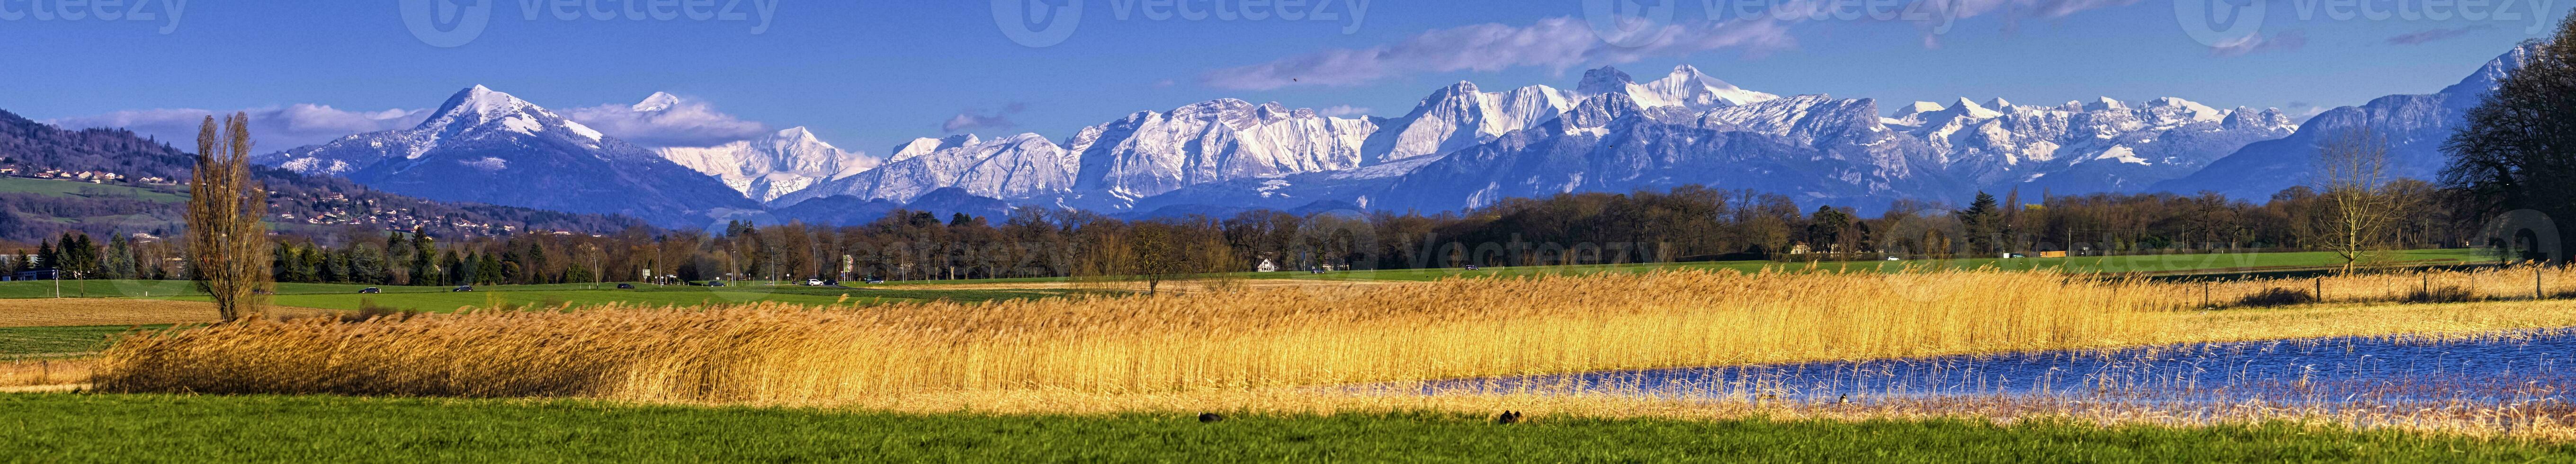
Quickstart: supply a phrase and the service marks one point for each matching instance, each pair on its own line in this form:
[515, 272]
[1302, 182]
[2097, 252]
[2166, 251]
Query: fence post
[2536, 292]
[2321, 289]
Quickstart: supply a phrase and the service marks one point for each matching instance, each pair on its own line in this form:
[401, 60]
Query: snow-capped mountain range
[766, 167]
[1461, 147]
[2414, 126]
[485, 146]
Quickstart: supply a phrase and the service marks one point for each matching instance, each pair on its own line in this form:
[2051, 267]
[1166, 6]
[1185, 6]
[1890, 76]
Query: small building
[39, 274]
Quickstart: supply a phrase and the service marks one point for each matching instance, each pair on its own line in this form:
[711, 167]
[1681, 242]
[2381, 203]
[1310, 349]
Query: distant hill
[146, 182]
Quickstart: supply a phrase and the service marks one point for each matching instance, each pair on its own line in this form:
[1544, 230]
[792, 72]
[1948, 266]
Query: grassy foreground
[119, 428]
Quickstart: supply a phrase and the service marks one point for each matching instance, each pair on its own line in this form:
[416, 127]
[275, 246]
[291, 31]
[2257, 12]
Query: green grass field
[441, 300]
[2106, 264]
[130, 428]
[40, 341]
[346, 296]
[51, 187]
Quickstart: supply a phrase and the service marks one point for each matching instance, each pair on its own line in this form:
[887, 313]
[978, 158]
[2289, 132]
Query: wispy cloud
[1557, 43]
[2429, 35]
[2257, 43]
[2300, 111]
[274, 128]
[978, 119]
[669, 122]
[1340, 111]
[1569, 42]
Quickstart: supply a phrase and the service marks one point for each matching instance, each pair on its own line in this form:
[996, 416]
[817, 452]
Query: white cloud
[976, 119]
[682, 123]
[275, 128]
[1558, 43]
[1568, 42]
[2256, 43]
[1343, 111]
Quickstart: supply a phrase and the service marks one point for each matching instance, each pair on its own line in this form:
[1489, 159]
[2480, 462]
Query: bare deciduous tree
[227, 244]
[2356, 206]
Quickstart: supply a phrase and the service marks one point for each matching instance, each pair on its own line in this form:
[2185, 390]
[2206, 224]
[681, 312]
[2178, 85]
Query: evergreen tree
[46, 257]
[536, 263]
[1984, 221]
[449, 270]
[310, 263]
[119, 262]
[366, 265]
[282, 263]
[425, 254]
[487, 271]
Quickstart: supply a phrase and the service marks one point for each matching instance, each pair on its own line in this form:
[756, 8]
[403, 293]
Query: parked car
[876, 281]
[715, 283]
[813, 282]
[1471, 267]
[371, 290]
[462, 288]
[625, 286]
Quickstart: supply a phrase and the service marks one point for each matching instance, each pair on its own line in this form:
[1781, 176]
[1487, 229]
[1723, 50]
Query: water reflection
[2507, 369]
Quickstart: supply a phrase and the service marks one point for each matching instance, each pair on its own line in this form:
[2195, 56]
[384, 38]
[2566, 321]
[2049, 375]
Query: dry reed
[1260, 338]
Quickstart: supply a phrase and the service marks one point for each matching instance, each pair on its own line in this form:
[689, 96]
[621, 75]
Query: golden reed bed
[1263, 338]
[1207, 341]
[1265, 349]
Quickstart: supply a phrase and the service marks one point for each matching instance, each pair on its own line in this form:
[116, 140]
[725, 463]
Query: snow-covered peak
[1999, 104]
[2105, 103]
[798, 134]
[658, 102]
[924, 146]
[1972, 110]
[1687, 86]
[1604, 80]
[2192, 110]
[2494, 71]
[479, 104]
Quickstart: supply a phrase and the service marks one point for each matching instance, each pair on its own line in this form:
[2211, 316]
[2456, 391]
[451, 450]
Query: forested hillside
[135, 186]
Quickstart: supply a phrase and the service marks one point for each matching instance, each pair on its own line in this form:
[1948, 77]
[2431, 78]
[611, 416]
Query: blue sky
[867, 74]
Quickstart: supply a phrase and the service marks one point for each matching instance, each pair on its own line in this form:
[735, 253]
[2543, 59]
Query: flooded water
[2510, 369]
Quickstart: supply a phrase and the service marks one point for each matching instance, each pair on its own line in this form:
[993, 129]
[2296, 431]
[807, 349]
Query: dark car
[876, 281]
[831, 283]
[625, 286]
[462, 288]
[1471, 267]
[715, 283]
[371, 290]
